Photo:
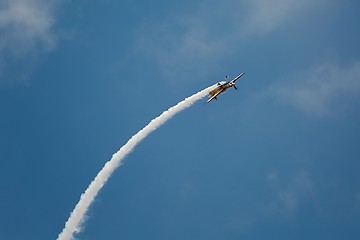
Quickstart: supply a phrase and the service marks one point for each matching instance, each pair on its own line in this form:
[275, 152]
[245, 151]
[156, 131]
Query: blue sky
[277, 159]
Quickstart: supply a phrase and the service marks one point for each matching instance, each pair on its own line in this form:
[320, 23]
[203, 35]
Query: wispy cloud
[289, 193]
[266, 16]
[26, 30]
[317, 91]
[198, 39]
[177, 45]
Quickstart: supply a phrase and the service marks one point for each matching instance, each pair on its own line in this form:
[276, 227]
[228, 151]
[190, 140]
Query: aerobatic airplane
[222, 87]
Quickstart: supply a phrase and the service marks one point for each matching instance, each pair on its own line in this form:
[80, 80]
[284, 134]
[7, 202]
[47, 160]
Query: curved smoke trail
[76, 219]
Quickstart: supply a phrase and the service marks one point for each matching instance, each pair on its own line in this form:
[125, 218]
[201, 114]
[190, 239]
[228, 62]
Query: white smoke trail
[76, 219]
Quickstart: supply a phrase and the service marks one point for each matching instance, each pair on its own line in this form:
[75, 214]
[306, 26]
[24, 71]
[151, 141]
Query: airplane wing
[234, 80]
[214, 96]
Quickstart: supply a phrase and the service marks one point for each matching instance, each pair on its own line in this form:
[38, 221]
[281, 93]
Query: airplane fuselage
[222, 87]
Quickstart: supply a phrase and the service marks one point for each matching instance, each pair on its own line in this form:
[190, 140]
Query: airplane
[222, 87]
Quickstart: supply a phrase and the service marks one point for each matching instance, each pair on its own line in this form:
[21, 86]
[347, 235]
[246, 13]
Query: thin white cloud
[178, 45]
[266, 15]
[26, 29]
[289, 193]
[195, 41]
[318, 91]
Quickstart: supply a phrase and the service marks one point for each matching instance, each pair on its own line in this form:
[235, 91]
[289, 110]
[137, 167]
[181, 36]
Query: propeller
[235, 87]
